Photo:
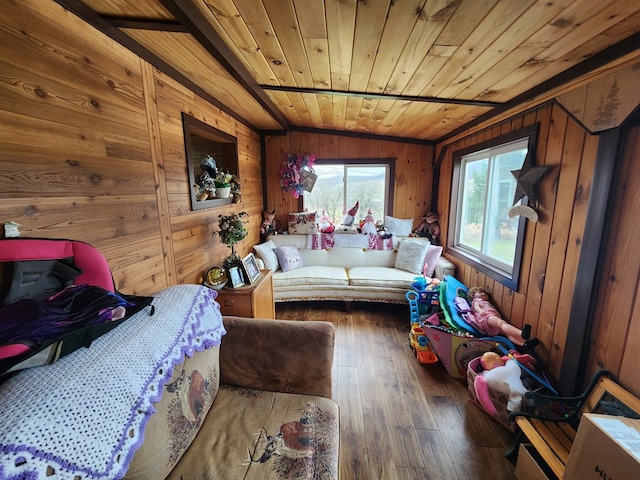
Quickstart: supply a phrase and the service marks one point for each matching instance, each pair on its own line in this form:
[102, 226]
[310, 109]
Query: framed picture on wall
[251, 267]
[308, 178]
[235, 277]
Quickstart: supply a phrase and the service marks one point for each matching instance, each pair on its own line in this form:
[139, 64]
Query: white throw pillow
[400, 227]
[289, 257]
[411, 256]
[268, 256]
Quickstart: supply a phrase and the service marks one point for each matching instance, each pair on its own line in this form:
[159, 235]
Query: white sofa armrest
[444, 267]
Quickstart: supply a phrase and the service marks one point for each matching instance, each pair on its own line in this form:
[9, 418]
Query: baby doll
[486, 319]
[502, 376]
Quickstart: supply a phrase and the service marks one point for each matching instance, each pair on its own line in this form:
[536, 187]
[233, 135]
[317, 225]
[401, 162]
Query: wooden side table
[252, 301]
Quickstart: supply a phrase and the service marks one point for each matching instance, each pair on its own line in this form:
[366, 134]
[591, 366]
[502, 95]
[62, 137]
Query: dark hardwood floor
[399, 419]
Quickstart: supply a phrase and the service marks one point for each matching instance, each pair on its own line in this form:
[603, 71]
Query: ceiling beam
[145, 24]
[198, 26]
[383, 96]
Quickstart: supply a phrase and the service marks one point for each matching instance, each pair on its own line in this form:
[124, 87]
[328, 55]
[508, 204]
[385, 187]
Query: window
[342, 183]
[481, 232]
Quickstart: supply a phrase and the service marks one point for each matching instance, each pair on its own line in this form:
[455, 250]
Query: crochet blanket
[84, 416]
[323, 241]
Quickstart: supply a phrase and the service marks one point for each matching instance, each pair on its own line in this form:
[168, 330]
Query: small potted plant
[231, 232]
[222, 182]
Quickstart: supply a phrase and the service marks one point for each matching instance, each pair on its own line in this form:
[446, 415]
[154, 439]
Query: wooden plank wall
[552, 246]
[413, 169]
[91, 148]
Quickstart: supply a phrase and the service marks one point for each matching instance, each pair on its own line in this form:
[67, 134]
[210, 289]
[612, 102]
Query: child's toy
[268, 225]
[423, 351]
[502, 376]
[350, 216]
[420, 346]
[430, 228]
[414, 314]
[455, 349]
[484, 317]
[325, 225]
[417, 339]
[369, 225]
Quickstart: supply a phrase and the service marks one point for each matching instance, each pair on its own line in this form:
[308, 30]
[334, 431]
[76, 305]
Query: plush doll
[369, 224]
[382, 230]
[502, 376]
[430, 228]
[484, 317]
[350, 216]
[268, 225]
[325, 225]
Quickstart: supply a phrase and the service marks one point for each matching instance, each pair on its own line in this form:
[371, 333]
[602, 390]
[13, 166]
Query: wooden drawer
[238, 305]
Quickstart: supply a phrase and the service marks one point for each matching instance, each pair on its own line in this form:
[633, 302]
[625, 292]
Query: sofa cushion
[268, 256]
[400, 227]
[380, 277]
[314, 275]
[288, 257]
[303, 223]
[258, 434]
[411, 256]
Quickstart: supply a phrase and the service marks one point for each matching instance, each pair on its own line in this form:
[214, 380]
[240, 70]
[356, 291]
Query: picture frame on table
[235, 277]
[251, 268]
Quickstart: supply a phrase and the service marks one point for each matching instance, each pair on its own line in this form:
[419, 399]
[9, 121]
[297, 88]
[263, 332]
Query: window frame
[531, 134]
[390, 163]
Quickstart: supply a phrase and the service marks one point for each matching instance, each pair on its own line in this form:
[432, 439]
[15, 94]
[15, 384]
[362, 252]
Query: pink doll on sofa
[485, 318]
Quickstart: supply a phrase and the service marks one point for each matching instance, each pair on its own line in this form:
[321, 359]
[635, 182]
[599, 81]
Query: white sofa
[346, 274]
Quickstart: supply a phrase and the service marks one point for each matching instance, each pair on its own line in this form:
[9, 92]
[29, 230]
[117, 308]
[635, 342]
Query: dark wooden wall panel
[615, 336]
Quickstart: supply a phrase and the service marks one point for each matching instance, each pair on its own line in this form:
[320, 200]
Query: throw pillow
[268, 256]
[411, 256]
[400, 227]
[289, 257]
[303, 223]
[431, 259]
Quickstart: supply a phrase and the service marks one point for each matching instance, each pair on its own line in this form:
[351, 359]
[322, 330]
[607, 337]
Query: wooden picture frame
[235, 277]
[251, 268]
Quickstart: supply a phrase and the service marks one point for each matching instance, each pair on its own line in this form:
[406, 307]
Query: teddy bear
[268, 225]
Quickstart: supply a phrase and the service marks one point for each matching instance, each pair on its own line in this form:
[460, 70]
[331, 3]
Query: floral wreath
[290, 178]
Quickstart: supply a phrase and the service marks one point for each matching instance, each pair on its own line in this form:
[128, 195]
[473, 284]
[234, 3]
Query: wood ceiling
[419, 69]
